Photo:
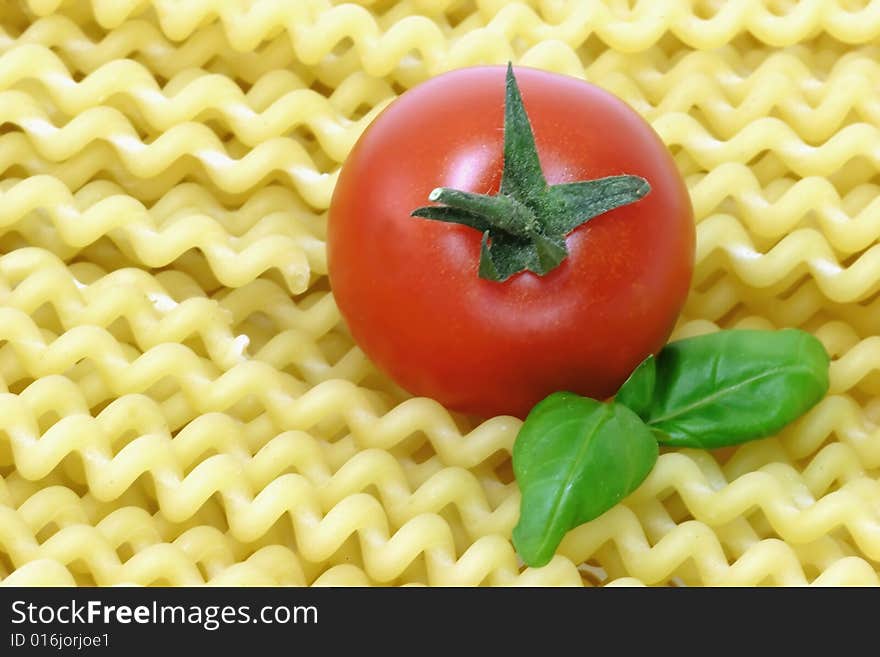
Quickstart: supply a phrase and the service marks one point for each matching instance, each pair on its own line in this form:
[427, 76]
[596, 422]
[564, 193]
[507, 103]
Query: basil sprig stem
[575, 458]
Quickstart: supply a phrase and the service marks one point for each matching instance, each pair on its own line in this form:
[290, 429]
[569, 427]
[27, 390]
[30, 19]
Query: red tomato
[409, 288]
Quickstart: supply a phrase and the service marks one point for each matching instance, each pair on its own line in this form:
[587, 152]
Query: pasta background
[180, 403]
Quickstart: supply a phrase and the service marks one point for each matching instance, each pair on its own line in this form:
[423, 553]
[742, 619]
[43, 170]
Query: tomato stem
[501, 212]
[525, 224]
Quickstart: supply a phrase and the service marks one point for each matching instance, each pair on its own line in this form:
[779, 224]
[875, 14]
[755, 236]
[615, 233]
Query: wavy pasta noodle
[180, 402]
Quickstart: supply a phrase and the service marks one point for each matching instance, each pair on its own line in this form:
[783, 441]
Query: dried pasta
[180, 402]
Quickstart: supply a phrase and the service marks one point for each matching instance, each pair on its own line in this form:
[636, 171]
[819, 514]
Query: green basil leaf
[574, 459]
[730, 387]
[637, 392]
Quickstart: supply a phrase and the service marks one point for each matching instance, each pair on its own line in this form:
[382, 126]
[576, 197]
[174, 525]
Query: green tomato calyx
[525, 224]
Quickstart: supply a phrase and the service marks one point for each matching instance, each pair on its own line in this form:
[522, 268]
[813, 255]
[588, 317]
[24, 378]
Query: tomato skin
[408, 288]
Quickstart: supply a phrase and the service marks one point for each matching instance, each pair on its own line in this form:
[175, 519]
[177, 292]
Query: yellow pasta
[180, 402]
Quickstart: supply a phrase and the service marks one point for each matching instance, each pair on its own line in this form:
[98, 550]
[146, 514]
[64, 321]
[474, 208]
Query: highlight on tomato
[497, 236]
